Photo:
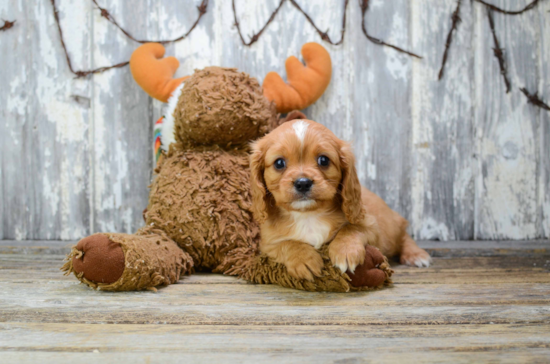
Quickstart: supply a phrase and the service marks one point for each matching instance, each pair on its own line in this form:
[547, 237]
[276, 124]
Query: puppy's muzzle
[303, 185]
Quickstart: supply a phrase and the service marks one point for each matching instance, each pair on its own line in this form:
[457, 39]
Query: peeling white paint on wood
[507, 127]
[442, 132]
[458, 157]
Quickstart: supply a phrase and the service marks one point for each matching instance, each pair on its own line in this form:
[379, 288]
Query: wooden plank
[443, 179]
[490, 248]
[122, 124]
[46, 119]
[39, 275]
[466, 270]
[13, 110]
[507, 127]
[178, 312]
[478, 263]
[543, 85]
[512, 356]
[380, 101]
[68, 295]
[448, 249]
[317, 341]
[47, 247]
[63, 301]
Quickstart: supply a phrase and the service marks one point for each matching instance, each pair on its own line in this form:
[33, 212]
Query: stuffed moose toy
[199, 215]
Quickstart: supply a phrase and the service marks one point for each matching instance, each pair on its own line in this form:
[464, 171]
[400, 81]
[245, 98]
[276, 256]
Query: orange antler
[153, 73]
[305, 83]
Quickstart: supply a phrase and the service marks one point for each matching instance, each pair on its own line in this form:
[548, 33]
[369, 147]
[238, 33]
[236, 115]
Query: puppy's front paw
[306, 266]
[346, 255]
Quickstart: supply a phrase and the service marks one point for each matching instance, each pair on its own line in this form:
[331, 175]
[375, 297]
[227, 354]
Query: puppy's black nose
[303, 185]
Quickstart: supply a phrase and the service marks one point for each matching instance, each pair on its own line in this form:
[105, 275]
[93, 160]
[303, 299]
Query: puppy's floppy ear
[293, 115]
[257, 184]
[352, 205]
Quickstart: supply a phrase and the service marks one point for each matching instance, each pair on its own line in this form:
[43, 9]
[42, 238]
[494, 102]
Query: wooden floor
[479, 302]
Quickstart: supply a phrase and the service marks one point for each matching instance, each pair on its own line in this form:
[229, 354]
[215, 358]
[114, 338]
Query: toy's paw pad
[306, 266]
[364, 277]
[368, 274]
[346, 256]
[416, 257]
[100, 260]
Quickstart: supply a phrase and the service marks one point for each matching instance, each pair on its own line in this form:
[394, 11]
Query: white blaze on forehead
[300, 128]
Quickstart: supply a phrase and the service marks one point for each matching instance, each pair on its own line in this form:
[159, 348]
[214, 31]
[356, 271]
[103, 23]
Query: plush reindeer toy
[199, 214]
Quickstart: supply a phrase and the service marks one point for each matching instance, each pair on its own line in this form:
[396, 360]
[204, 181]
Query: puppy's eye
[323, 161]
[279, 164]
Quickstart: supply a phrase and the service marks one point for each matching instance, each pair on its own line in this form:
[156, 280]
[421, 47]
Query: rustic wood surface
[480, 302]
[460, 158]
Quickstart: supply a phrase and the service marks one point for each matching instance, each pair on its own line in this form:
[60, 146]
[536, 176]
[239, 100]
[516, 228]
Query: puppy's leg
[302, 261]
[347, 250]
[413, 255]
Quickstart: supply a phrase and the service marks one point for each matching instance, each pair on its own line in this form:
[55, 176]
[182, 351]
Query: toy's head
[222, 106]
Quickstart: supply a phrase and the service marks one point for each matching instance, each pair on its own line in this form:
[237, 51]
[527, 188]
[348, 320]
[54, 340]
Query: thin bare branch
[7, 25]
[528, 7]
[534, 99]
[455, 18]
[498, 51]
[364, 4]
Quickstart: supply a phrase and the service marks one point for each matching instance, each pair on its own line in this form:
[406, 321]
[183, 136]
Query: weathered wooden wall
[460, 158]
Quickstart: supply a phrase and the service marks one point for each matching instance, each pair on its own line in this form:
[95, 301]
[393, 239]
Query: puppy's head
[303, 166]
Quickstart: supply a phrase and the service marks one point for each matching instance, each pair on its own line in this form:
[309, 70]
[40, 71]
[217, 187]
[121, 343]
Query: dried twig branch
[104, 13]
[7, 25]
[78, 73]
[324, 35]
[254, 37]
[455, 20]
[498, 52]
[364, 4]
[534, 99]
[529, 6]
[201, 8]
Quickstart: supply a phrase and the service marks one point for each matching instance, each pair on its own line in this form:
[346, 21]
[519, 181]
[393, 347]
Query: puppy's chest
[310, 228]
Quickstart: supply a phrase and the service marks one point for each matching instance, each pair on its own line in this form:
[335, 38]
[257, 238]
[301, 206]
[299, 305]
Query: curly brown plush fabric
[201, 199]
[222, 106]
[257, 268]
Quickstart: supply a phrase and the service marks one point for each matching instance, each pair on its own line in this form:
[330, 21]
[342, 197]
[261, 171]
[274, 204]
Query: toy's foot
[98, 259]
[373, 272]
[125, 262]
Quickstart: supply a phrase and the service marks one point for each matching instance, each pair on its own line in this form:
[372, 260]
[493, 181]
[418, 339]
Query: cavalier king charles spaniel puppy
[305, 193]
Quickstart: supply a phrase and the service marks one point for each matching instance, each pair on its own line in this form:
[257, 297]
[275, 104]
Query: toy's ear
[305, 83]
[153, 73]
[350, 187]
[257, 184]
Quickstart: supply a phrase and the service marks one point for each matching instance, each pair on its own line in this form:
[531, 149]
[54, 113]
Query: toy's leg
[124, 262]
[375, 272]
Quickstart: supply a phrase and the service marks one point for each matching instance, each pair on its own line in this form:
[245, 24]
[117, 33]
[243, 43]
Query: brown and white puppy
[306, 192]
